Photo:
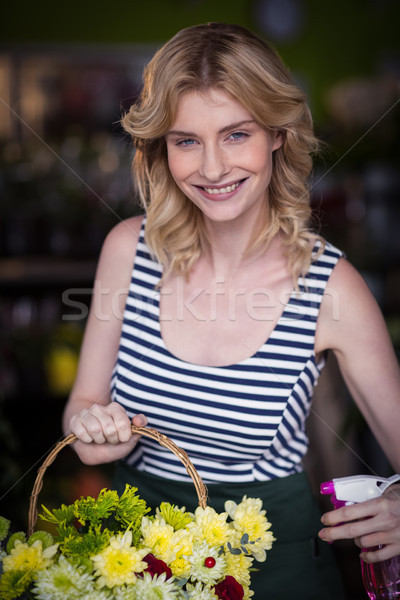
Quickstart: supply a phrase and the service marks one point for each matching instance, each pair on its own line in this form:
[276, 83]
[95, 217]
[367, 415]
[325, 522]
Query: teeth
[224, 190]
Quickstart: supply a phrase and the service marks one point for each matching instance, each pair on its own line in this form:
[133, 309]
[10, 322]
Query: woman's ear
[278, 137]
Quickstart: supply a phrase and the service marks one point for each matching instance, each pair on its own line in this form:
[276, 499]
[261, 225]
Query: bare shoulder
[347, 281]
[123, 238]
[118, 254]
[348, 309]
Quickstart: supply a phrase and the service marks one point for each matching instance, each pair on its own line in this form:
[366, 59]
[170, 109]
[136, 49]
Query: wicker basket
[162, 439]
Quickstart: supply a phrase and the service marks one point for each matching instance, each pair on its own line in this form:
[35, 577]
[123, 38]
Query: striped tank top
[238, 423]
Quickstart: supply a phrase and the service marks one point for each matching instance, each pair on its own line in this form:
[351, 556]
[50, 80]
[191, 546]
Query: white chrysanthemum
[96, 594]
[249, 518]
[124, 592]
[200, 592]
[63, 580]
[198, 569]
[210, 525]
[156, 588]
[119, 562]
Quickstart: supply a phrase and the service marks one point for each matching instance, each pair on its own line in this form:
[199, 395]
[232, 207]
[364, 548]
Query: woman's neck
[228, 245]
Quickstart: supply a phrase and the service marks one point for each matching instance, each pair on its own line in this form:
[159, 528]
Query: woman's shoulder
[123, 237]
[119, 251]
[348, 307]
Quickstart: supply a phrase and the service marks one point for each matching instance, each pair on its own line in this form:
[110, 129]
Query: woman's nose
[213, 164]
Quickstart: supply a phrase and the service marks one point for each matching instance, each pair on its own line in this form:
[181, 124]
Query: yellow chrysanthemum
[119, 562]
[248, 593]
[24, 557]
[210, 526]
[157, 535]
[239, 565]
[248, 517]
[182, 545]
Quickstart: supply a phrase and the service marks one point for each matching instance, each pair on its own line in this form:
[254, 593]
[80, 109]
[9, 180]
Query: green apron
[299, 566]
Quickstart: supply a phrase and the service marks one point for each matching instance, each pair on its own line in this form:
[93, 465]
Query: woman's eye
[186, 142]
[238, 135]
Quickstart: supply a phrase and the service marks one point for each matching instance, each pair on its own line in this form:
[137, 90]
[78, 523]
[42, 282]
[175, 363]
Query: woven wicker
[162, 439]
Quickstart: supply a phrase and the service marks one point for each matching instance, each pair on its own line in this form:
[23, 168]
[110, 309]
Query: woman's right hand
[104, 433]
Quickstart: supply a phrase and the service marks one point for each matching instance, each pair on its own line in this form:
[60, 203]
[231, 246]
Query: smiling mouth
[223, 190]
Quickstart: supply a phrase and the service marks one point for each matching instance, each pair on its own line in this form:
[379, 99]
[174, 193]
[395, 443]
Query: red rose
[229, 589]
[157, 566]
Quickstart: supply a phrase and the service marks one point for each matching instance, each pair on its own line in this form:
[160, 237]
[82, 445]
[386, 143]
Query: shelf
[27, 272]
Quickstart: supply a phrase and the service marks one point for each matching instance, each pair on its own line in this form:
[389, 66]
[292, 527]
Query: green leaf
[232, 550]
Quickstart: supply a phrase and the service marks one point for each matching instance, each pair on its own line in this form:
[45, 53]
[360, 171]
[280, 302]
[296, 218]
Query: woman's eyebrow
[223, 130]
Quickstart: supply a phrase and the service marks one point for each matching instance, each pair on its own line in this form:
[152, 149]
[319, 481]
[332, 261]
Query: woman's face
[219, 156]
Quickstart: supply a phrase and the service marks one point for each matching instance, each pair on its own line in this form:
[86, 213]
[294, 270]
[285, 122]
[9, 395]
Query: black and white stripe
[239, 423]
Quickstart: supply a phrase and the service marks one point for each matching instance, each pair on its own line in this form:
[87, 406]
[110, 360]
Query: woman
[232, 304]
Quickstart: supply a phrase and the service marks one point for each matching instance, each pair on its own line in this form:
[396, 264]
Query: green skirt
[299, 566]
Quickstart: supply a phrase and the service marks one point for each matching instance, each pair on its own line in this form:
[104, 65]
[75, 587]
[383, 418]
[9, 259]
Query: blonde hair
[231, 58]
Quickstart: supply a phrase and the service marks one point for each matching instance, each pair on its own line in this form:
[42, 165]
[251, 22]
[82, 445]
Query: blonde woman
[215, 309]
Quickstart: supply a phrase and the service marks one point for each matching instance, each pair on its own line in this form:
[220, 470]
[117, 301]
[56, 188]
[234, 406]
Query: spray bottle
[381, 579]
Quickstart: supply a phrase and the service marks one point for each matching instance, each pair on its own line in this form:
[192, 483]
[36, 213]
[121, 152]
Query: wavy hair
[233, 59]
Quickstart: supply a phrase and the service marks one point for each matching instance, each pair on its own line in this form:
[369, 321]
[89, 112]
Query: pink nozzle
[328, 487]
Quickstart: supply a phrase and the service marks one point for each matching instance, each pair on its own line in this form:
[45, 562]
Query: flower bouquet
[113, 547]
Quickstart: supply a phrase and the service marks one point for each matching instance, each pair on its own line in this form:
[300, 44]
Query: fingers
[139, 420]
[104, 424]
[377, 554]
[94, 454]
[351, 513]
[374, 525]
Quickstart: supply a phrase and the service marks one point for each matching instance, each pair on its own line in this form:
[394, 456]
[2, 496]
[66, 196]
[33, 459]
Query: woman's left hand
[371, 524]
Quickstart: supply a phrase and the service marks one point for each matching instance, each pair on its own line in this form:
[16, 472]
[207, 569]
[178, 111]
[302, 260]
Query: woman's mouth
[221, 191]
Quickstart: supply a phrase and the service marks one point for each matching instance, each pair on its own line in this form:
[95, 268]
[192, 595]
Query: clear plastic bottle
[381, 579]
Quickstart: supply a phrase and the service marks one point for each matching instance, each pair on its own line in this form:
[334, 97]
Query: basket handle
[162, 439]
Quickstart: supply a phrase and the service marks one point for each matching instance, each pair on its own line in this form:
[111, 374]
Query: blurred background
[67, 73]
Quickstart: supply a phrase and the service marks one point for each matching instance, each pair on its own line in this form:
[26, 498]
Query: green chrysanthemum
[81, 546]
[44, 536]
[4, 528]
[62, 581]
[18, 535]
[131, 508]
[173, 515]
[96, 510]
[14, 583]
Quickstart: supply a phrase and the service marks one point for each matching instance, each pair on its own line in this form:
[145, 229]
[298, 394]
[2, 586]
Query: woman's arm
[351, 324]
[103, 427]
